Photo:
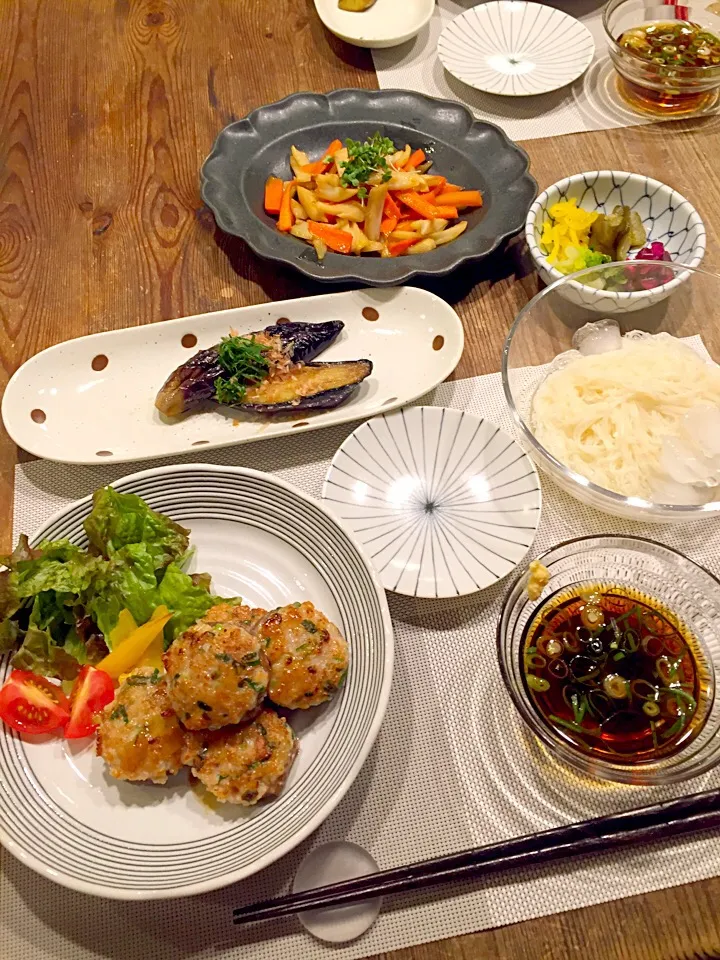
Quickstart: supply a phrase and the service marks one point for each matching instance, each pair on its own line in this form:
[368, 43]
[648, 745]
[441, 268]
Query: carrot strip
[460, 198]
[338, 240]
[446, 213]
[287, 218]
[416, 158]
[388, 225]
[333, 148]
[452, 188]
[436, 183]
[321, 166]
[314, 168]
[273, 194]
[391, 209]
[401, 246]
[418, 204]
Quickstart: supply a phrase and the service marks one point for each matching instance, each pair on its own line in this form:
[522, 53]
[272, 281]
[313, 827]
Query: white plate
[59, 407]
[444, 503]
[515, 49]
[386, 24]
[64, 816]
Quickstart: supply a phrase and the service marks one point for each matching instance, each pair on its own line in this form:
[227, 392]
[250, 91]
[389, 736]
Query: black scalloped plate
[471, 152]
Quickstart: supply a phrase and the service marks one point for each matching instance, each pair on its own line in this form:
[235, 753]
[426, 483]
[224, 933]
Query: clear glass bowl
[655, 88]
[679, 584]
[545, 327]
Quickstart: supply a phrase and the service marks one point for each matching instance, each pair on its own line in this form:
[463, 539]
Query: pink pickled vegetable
[648, 277]
[655, 251]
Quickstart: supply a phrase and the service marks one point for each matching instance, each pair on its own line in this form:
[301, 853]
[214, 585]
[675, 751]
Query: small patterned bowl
[666, 215]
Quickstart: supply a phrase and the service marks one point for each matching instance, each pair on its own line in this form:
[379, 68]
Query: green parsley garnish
[139, 680]
[364, 159]
[309, 626]
[224, 657]
[257, 687]
[245, 363]
[119, 713]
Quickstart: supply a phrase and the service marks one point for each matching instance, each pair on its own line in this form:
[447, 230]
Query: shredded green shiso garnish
[245, 362]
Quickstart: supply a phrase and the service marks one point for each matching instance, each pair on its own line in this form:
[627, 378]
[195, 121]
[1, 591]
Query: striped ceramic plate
[515, 49]
[444, 502]
[262, 539]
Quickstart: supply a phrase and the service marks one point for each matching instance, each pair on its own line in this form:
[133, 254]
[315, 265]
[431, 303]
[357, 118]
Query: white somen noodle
[608, 416]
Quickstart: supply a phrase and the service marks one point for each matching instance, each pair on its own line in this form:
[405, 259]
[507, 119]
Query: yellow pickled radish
[568, 227]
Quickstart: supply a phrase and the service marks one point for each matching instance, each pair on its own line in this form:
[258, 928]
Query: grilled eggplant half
[312, 386]
[193, 383]
[291, 381]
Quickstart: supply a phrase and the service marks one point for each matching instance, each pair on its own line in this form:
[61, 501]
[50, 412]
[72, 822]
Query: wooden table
[107, 110]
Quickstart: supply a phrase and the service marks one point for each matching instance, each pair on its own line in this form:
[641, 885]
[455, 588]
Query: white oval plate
[90, 416]
[64, 816]
[387, 23]
[515, 49]
[444, 503]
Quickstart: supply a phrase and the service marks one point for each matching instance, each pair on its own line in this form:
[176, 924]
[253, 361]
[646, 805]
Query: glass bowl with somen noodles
[612, 664]
[623, 412]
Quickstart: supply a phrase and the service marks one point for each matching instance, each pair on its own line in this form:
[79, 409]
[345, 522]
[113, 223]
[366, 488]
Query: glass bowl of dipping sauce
[667, 57]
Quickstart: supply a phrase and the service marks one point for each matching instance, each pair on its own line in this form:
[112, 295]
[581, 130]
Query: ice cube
[599, 336]
[683, 462]
[700, 427]
[669, 491]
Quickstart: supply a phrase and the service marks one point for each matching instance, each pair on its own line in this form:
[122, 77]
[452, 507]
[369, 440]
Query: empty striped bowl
[444, 502]
[515, 49]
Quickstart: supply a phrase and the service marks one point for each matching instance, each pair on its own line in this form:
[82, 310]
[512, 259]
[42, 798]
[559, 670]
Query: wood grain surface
[107, 109]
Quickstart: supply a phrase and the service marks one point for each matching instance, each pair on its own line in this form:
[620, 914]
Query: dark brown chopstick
[672, 818]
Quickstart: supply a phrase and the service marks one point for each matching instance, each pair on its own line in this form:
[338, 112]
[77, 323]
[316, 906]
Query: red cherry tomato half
[32, 704]
[92, 691]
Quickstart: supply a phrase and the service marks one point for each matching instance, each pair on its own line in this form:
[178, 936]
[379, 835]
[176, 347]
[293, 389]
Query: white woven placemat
[452, 767]
[590, 103]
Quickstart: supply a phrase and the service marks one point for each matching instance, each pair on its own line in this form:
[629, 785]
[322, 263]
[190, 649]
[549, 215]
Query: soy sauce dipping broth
[615, 673]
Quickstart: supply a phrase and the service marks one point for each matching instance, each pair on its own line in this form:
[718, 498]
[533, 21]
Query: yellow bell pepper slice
[130, 651]
[154, 654]
[122, 629]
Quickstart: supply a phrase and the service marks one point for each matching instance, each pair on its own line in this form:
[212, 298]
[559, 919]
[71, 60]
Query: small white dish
[332, 863]
[444, 502]
[388, 23]
[666, 215]
[515, 49]
[92, 400]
